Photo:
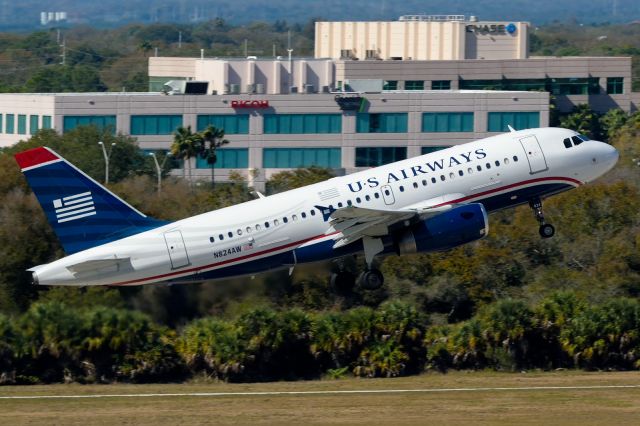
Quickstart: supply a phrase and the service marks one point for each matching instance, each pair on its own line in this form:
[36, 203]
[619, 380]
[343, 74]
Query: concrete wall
[421, 40]
[24, 104]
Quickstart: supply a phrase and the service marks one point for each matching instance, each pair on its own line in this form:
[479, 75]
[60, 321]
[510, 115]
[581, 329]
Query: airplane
[432, 202]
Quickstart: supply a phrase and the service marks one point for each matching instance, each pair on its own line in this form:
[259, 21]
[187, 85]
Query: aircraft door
[177, 249]
[387, 195]
[535, 156]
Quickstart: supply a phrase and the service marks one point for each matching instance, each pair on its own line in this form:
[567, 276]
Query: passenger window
[221, 237]
[294, 217]
[497, 163]
[367, 197]
[488, 166]
[266, 224]
[230, 234]
[576, 140]
[258, 227]
[451, 175]
[376, 195]
[469, 170]
[460, 172]
[285, 220]
[386, 192]
[479, 168]
[239, 231]
[401, 188]
[313, 212]
[349, 203]
[415, 185]
[515, 158]
[424, 182]
[276, 222]
[359, 200]
[433, 180]
[339, 205]
[505, 161]
[304, 215]
[211, 239]
[248, 229]
[442, 178]
[567, 143]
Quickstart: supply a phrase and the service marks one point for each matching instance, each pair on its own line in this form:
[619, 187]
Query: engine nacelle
[446, 230]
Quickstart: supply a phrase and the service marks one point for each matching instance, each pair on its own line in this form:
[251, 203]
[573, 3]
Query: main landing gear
[371, 279]
[546, 230]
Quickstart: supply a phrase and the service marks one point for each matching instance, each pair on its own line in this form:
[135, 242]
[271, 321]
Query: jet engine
[446, 230]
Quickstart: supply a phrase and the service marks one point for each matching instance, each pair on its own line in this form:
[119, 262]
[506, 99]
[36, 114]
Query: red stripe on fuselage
[34, 157]
[297, 243]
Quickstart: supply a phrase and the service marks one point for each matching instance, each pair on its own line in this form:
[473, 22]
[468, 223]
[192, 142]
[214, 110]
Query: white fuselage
[501, 171]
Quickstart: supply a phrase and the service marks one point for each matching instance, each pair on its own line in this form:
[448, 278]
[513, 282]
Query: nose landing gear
[546, 230]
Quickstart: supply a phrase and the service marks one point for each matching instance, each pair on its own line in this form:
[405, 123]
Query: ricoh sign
[493, 29]
[250, 104]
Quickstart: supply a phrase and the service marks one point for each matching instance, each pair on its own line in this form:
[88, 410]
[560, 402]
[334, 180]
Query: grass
[567, 407]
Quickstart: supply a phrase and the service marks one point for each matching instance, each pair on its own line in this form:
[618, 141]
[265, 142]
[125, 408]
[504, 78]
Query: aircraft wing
[353, 223]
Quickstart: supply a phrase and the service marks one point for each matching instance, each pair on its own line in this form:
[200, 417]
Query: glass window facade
[231, 124]
[22, 124]
[557, 86]
[227, 158]
[390, 85]
[302, 123]
[414, 85]
[382, 123]
[70, 122]
[378, 156]
[33, 124]
[615, 85]
[437, 122]
[429, 149]
[155, 124]
[498, 121]
[46, 122]
[441, 85]
[278, 158]
[10, 125]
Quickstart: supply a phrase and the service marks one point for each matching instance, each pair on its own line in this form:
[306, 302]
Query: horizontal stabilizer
[100, 267]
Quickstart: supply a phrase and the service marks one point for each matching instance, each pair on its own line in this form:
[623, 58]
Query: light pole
[107, 155]
[159, 168]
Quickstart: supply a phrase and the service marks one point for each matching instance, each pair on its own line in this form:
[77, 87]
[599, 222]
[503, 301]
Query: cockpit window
[576, 140]
[584, 138]
[567, 143]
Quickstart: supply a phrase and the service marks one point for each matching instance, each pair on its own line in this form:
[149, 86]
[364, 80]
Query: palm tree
[186, 145]
[213, 139]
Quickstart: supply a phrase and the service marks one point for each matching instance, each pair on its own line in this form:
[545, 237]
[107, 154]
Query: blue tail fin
[82, 212]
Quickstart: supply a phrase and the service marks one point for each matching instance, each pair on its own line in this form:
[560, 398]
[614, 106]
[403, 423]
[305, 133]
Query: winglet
[36, 157]
[511, 129]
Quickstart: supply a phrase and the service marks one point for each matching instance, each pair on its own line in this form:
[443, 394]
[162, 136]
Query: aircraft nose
[607, 156]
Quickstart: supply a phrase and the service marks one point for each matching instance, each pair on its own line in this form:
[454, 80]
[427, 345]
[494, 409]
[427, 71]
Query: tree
[583, 120]
[284, 181]
[186, 145]
[213, 139]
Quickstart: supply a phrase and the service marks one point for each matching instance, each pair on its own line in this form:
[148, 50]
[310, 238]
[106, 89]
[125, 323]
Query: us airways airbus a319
[428, 203]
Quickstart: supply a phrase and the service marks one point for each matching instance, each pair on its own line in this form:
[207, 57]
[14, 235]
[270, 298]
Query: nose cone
[610, 156]
[605, 157]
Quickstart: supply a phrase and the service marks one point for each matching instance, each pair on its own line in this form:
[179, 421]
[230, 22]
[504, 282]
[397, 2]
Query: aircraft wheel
[371, 279]
[343, 281]
[547, 230]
